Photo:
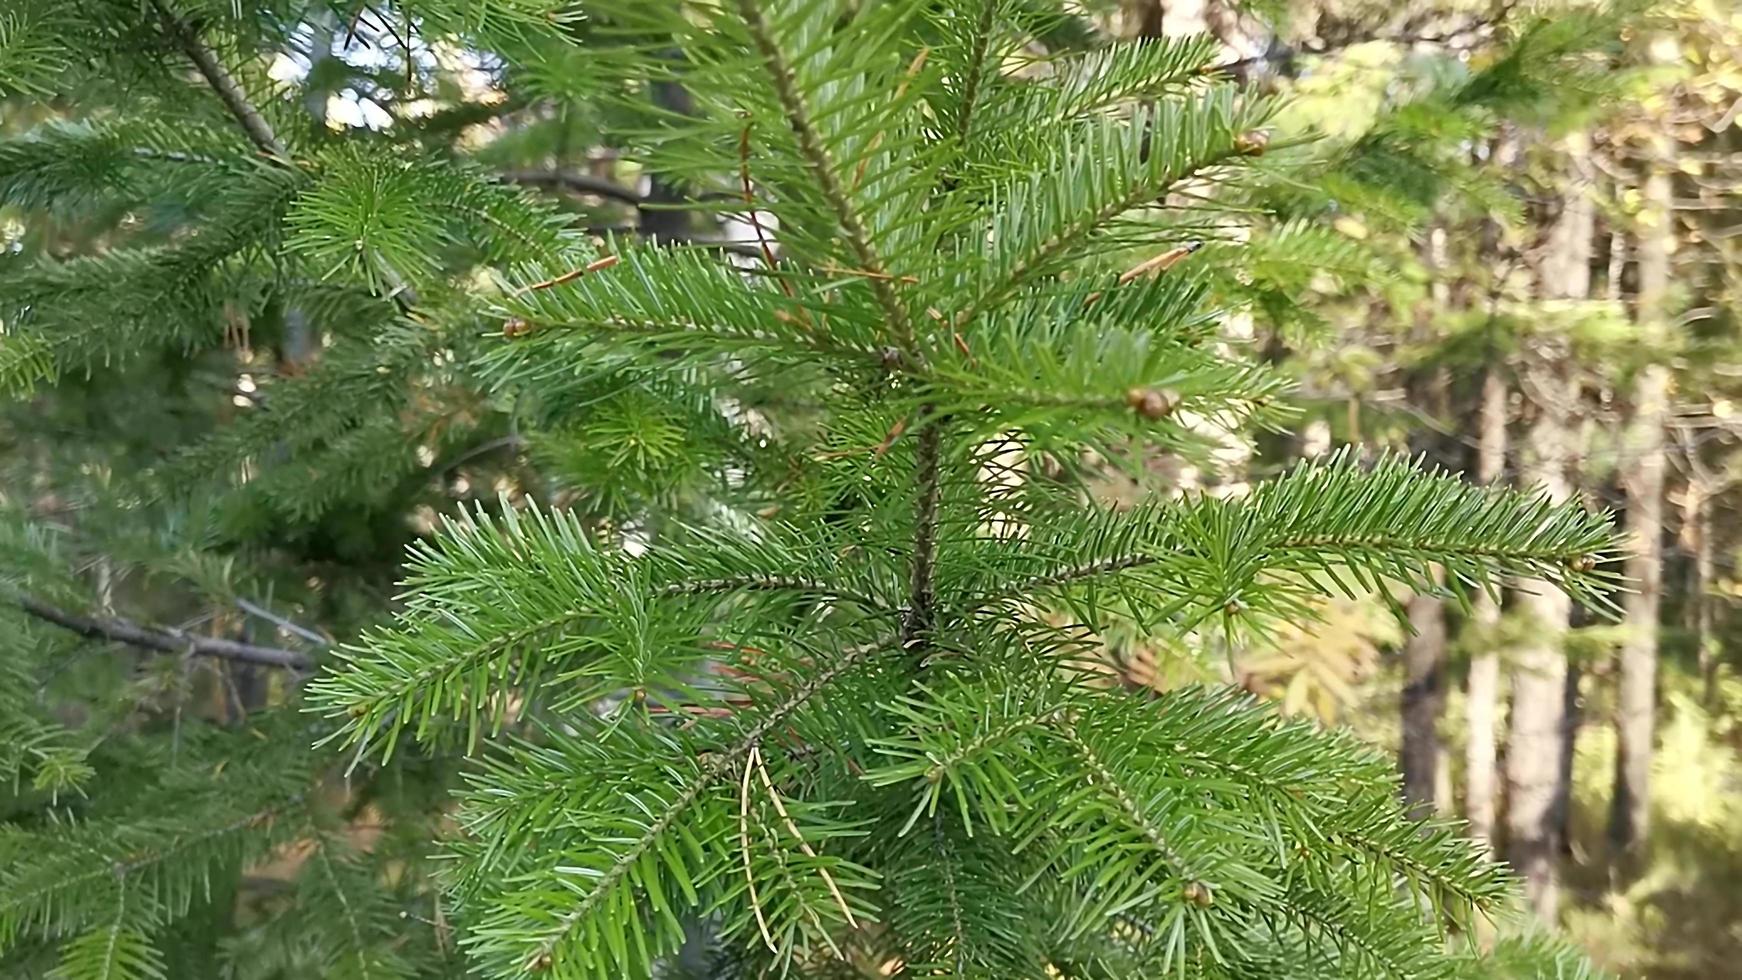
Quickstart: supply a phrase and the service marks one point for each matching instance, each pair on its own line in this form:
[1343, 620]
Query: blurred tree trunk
[1424, 652]
[1482, 704]
[1572, 716]
[1424, 702]
[1642, 480]
[1483, 698]
[1705, 643]
[1538, 732]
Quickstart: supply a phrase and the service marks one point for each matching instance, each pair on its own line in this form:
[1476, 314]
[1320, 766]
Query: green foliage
[112, 953]
[368, 218]
[769, 635]
[31, 52]
[792, 729]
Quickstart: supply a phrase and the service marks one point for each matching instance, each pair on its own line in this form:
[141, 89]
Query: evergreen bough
[851, 732]
[846, 712]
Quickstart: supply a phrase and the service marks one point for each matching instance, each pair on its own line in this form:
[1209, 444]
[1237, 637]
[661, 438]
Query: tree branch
[976, 70]
[259, 131]
[255, 609]
[579, 183]
[816, 156]
[221, 81]
[921, 598]
[165, 639]
[704, 778]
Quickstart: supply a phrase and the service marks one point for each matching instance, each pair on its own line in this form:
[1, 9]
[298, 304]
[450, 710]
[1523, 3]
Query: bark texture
[1482, 702]
[1642, 480]
[1424, 701]
[1424, 653]
[1535, 744]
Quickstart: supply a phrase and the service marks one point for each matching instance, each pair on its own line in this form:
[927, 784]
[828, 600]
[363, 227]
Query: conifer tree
[839, 713]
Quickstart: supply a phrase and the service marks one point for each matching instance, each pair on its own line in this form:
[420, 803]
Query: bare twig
[579, 183]
[1159, 263]
[597, 265]
[792, 828]
[162, 638]
[483, 449]
[255, 609]
[749, 192]
[744, 847]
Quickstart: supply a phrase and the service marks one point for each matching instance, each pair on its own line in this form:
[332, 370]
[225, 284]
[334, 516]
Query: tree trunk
[1630, 815]
[1535, 743]
[1482, 708]
[1424, 653]
[1424, 701]
[1572, 716]
[1705, 643]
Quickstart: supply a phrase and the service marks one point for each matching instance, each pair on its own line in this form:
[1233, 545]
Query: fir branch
[1326, 522]
[815, 588]
[710, 773]
[922, 597]
[1102, 778]
[167, 639]
[116, 858]
[958, 936]
[976, 70]
[1098, 172]
[359, 948]
[259, 131]
[224, 84]
[822, 167]
[1310, 909]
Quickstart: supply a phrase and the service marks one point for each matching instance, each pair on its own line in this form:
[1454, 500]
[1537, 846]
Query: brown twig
[803, 845]
[577, 182]
[895, 432]
[167, 639]
[230, 93]
[1159, 263]
[749, 193]
[597, 265]
[835, 270]
[744, 848]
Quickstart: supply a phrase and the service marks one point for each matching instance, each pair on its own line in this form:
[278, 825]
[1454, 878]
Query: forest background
[1546, 295]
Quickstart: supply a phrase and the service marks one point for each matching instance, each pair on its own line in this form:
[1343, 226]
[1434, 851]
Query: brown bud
[516, 327]
[1234, 606]
[357, 710]
[891, 358]
[1583, 563]
[1198, 893]
[539, 964]
[1252, 143]
[1151, 403]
